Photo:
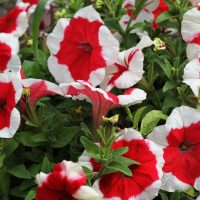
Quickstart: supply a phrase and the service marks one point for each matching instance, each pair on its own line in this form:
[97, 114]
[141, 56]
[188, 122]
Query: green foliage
[151, 120]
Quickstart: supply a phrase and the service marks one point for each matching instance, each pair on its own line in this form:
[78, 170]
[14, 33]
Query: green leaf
[171, 101]
[30, 140]
[120, 167]
[125, 161]
[166, 67]
[2, 157]
[10, 147]
[163, 196]
[150, 121]
[20, 171]
[90, 146]
[35, 26]
[120, 151]
[190, 192]
[88, 172]
[138, 115]
[85, 129]
[5, 184]
[30, 195]
[27, 67]
[46, 167]
[65, 136]
[175, 196]
[164, 16]
[169, 85]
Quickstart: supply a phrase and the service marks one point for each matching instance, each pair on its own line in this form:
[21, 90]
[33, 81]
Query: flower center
[86, 46]
[186, 146]
[2, 104]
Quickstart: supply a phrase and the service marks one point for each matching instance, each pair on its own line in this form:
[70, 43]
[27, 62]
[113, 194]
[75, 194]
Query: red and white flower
[194, 2]
[102, 101]
[145, 14]
[128, 69]
[10, 93]
[81, 48]
[162, 7]
[66, 181]
[9, 48]
[30, 5]
[37, 88]
[145, 181]
[15, 22]
[180, 141]
[191, 32]
[191, 75]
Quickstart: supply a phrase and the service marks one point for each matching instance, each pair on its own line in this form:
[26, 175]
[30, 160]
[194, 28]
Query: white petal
[55, 38]
[88, 13]
[86, 193]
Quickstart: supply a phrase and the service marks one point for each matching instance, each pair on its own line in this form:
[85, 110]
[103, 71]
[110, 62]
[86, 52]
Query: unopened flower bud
[113, 120]
[159, 44]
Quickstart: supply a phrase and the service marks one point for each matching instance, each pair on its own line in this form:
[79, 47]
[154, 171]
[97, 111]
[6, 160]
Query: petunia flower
[10, 93]
[162, 7]
[30, 5]
[67, 181]
[145, 181]
[191, 75]
[194, 2]
[180, 140]
[191, 32]
[81, 48]
[15, 22]
[102, 101]
[35, 89]
[144, 15]
[9, 48]
[128, 69]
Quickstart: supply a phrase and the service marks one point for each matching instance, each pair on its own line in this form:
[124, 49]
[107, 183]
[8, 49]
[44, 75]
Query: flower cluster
[14, 87]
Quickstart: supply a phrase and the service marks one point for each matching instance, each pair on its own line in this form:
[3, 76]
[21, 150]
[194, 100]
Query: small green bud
[99, 4]
[113, 120]
[26, 92]
[30, 42]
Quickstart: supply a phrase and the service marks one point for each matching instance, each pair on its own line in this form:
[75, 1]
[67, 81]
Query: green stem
[130, 116]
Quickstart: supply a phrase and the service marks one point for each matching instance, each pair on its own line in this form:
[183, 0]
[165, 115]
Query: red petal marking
[131, 55]
[32, 2]
[121, 68]
[129, 91]
[195, 39]
[96, 166]
[184, 164]
[8, 23]
[7, 95]
[59, 186]
[80, 48]
[118, 185]
[198, 6]
[39, 90]
[129, 11]
[5, 56]
[129, 6]
[22, 74]
[161, 8]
